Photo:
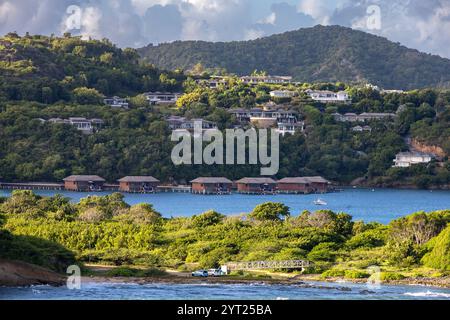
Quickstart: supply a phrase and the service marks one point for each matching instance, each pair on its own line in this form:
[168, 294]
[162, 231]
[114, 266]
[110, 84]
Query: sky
[418, 24]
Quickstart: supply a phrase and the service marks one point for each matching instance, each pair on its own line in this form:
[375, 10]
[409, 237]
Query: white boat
[320, 202]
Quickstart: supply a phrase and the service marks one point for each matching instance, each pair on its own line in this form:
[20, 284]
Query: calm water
[255, 291]
[382, 205]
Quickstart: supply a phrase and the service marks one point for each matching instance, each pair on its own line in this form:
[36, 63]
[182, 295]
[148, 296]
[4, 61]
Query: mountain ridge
[317, 54]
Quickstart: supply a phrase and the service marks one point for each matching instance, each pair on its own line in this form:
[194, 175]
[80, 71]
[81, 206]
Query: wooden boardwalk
[261, 265]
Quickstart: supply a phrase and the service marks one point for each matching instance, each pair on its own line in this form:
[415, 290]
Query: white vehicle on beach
[215, 273]
[200, 273]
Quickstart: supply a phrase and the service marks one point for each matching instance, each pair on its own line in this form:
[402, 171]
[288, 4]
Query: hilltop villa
[329, 96]
[157, 98]
[86, 126]
[407, 159]
[284, 120]
[282, 94]
[116, 102]
[266, 79]
[182, 123]
[363, 117]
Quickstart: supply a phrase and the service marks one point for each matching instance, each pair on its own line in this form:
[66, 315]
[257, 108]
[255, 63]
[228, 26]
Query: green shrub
[332, 273]
[368, 239]
[35, 250]
[143, 213]
[437, 275]
[270, 211]
[152, 272]
[208, 218]
[123, 272]
[355, 274]
[391, 276]
[439, 256]
[323, 252]
[133, 272]
[318, 268]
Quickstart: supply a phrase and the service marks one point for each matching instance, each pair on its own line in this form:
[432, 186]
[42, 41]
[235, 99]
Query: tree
[93, 215]
[47, 95]
[189, 98]
[21, 202]
[198, 69]
[419, 228]
[80, 51]
[85, 95]
[270, 211]
[107, 58]
[209, 218]
[139, 101]
[439, 257]
[107, 206]
[144, 213]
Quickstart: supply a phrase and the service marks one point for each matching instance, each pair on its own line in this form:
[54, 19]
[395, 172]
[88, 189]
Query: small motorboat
[320, 202]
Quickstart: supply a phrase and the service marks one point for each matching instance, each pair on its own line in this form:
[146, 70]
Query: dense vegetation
[51, 69]
[63, 80]
[324, 54]
[106, 230]
[137, 141]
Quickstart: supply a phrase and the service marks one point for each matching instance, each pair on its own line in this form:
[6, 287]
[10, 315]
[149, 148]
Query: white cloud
[270, 19]
[320, 10]
[90, 23]
[252, 34]
[415, 23]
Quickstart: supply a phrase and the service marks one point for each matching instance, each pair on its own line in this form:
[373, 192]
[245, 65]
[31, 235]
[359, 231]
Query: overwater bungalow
[138, 184]
[319, 184]
[211, 185]
[84, 183]
[256, 185]
[294, 185]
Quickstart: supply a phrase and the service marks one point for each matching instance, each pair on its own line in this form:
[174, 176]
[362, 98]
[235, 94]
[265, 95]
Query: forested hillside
[321, 53]
[43, 78]
[50, 69]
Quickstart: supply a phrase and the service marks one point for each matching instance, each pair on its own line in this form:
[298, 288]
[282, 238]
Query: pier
[182, 189]
[32, 186]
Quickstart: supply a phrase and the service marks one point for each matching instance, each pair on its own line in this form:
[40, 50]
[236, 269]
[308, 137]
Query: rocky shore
[182, 278]
[20, 274]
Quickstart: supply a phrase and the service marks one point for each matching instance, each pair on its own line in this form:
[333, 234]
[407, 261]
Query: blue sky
[423, 25]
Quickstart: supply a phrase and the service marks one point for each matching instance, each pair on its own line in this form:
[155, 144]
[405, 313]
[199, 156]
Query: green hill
[48, 69]
[324, 54]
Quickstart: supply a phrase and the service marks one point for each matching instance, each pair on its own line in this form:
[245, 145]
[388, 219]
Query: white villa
[362, 129]
[392, 91]
[266, 79]
[284, 120]
[182, 123]
[282, 94]
[407, 159]
[116, 102]
[290, 128]
[363, 117]
[157, 98]
[329, 96]
[86, 126]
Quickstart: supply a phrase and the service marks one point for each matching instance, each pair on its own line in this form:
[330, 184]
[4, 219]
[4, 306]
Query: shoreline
[176, 277]
[306, 281]
[48, 186]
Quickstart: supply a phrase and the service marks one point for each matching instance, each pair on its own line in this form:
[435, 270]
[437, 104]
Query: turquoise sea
[208, 291]
[381, 205]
